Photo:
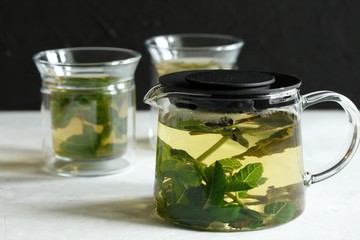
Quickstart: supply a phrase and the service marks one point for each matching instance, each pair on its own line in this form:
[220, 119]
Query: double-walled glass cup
[88, 109]
[229, 149]
[190, 51]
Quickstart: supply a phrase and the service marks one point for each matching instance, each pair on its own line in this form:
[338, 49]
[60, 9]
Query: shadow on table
[137, 211]
[18, 164]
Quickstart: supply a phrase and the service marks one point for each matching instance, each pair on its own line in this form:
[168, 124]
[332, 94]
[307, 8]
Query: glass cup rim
[134, 56]
[237, 42]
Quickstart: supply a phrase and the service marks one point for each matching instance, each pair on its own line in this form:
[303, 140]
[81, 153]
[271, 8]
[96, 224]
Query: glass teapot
[229, 155]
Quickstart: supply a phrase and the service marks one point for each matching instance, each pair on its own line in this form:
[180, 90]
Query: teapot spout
[153, 95]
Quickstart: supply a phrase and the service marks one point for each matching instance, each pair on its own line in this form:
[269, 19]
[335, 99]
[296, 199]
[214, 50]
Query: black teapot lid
[228, 82]
[230, 90]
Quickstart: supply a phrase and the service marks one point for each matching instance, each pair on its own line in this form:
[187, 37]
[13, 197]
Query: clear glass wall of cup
[88, 109]
[189, 51]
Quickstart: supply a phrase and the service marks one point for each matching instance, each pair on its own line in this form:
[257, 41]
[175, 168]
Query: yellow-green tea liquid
[187, 64]
[282, 172]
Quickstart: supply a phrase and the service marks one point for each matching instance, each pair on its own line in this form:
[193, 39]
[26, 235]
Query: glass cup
[189, 51]
[88, 109]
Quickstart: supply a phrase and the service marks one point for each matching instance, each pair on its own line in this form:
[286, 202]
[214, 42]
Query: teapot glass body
[229, 158]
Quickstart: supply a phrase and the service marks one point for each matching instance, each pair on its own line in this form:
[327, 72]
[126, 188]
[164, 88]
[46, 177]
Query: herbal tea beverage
[88, 110]
[237, 166]
[191, 51]
[89, 125]
[229, 154]
[187, 64]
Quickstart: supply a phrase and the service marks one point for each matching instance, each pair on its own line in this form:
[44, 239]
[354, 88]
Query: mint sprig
[97, 111]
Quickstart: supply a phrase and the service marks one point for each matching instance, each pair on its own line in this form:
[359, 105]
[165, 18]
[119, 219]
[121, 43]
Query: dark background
[317, 40]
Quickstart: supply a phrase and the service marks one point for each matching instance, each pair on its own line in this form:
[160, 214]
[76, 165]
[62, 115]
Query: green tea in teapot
[229, 173]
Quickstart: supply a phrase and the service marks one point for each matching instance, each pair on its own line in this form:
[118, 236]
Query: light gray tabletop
[37, 206]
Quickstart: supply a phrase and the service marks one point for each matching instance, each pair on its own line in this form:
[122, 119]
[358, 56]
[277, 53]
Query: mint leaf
[103, 110]
[111, 149]
[174, 164]
[182, 177]
[193, 215]
[162, 154]
[209, 172]
[281, 212]
[215, 188]
[168, 168]
[62, 109]
[86, 108]
[247, 178]
[179, 191]
[252, 220]
[163, 149]
[83, 146]
[188, 215]
[272, 120]
[223, 126]
[188, 176]
[106, 132]
[181, 155]
[226, 214]
[236, 135]
[197, 195]
[276, 143]
[229, 164]
[193, 126]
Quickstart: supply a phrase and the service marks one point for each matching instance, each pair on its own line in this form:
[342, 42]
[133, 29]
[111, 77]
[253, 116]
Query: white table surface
[37, 206]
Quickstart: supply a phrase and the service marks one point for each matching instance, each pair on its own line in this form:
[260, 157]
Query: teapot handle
[354, 119]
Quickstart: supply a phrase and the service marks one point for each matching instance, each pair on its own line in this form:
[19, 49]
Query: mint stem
[235, 198]
[208, 152]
